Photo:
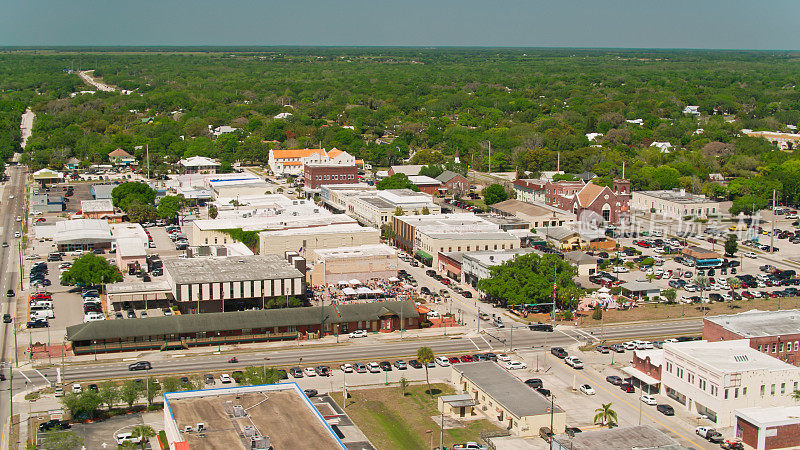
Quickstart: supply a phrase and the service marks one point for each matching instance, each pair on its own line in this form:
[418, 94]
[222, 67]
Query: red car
[454, 360]
[40, 220]
[466, 358]
[627, 387]
[445, 281]
[747, 294]
[41, 296]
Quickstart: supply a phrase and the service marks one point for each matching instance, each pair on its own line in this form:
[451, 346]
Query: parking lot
[102, 434]
[67, 303]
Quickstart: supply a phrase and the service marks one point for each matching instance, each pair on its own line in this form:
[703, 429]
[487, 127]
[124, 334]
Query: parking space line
[624, 400]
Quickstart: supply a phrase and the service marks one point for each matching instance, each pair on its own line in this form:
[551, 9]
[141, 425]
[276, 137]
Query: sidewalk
[327, 341]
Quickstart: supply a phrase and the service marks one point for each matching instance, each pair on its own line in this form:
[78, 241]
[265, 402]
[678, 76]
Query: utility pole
[552, 408]
[490, 157]
[441, 432]
[147, 149]
[772, 232]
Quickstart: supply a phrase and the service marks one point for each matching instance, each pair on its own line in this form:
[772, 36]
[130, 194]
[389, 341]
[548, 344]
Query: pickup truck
[470, 446]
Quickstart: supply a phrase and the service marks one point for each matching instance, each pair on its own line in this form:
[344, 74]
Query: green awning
[424, 255]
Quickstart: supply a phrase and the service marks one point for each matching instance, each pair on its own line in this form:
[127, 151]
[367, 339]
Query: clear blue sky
[728, 24]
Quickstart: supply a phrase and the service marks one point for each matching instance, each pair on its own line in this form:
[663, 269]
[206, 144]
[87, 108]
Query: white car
[310, 372]
[11, 197]
[511, 365]
[670, 340]
[58, 391]
[750, 255]
[347, 368]
[358, 334]
[123, 438]
[503, 357]
[442, 361]
[76, 388]
[574, 362]
[630, 345]
[586, 389]
[225, 378]
[19, 219]
[648, 400]
[93, 317]
[17, 234]
[373, 367]
[620, 269]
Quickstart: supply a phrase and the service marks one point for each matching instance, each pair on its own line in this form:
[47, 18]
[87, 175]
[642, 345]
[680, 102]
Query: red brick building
[453, 182]
[591, 202]
[769, 428]
[316, 175]
[776, 333]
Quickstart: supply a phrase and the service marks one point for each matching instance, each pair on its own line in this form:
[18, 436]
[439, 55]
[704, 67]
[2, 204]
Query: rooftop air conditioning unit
[201, 426]
[238, 411]
[260, 443]
[249, 431]
[187, 429]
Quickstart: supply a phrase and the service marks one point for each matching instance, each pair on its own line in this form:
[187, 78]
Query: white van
[93, 317]
[48, 304]
[42, 314]
[42, 307]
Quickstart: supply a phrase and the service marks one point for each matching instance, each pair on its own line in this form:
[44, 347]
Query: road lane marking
[473, 343]
[3, 438]
[571, 337]
[583, 333]
[41, 375]
[25, 376]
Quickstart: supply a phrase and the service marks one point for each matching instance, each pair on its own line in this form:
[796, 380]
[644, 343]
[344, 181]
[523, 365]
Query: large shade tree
[528, 279]
[89, 270]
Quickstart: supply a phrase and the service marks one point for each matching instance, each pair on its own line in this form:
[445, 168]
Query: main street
[348, 350]
[10, 208]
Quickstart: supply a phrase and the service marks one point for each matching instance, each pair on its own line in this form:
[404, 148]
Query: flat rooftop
[506, 389]
[280, 412]
[233, 268]
[349, 227]
[621, 438]
[677, 196]
[755, 323]
[359, 251]
[771, 416]
[493, 258]
[726, 356]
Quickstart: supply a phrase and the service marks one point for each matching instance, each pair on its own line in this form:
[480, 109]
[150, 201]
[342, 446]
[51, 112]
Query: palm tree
[796, 395]
[425, 356]
[605, 415]
[143, 431]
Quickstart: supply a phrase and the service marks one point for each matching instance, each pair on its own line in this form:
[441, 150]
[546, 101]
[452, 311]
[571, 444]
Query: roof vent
[249, 431]
[238, 411]
[740, 358]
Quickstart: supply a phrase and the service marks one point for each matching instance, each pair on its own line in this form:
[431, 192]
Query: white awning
[349, 291]
[355, 282]
[394, 279]
[641, 376]
[343, 283]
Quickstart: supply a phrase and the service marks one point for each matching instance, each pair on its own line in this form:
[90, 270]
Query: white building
[664, 147]
[676, 203]
[363, 262]
[292, 162]
[475, 265]
[693, 110]
[784, 141]
[306, 240]
[376, 208]
[715, 378]
[199, 164]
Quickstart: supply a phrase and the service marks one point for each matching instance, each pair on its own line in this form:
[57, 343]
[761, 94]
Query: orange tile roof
[297, 153]
[589, 192]
[334, 152]
[291, 163]
[359, 162]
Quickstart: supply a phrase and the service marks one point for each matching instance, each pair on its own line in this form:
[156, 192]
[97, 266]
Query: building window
[774, 347]
[772, 390]
[759, 347]
[736, 393]
[781, 347]
[796, 345]
[744, 391]
[726, 393]
[762, 389]
[783, 388]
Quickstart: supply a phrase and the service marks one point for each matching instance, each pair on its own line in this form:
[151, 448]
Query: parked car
[415, 364]
[309, 372]
[296, 372]
[627, 387]
[534, 383]
[442, 361]
[648, 400]
[347, 368]
[613, 379]
[512, 365]
[225, 378]
[559, 352]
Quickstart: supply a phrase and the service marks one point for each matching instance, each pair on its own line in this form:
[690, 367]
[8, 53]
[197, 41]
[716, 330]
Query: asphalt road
[9, 277]
[368, 349]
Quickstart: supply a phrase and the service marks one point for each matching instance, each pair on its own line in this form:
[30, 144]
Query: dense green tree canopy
[128, 193]
[90, 270]
[528, 279]
[397, 181]
[494, 193]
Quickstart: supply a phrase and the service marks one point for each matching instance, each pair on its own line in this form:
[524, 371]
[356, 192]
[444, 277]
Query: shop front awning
[641, 376]
[424, 255]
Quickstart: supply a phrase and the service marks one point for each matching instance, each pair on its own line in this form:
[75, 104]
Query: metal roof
[507, 390]
[225, 269]
[237, 320]
[755, 323]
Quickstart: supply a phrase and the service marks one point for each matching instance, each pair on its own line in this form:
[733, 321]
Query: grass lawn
[393, 421]
[663, 311]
